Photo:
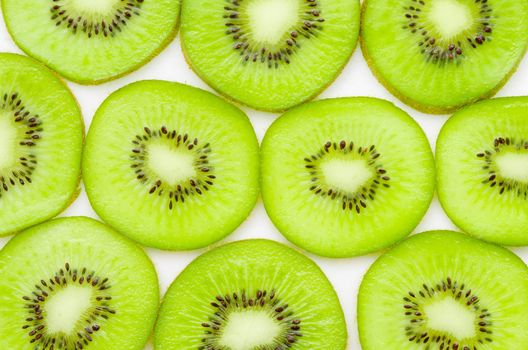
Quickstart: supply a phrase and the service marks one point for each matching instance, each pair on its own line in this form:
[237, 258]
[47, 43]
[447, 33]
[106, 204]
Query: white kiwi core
[347, 175]
[94, 7]
[170, 164]
[450, 17]
[66, 308]
[513, 166]
[450, 316]
[247, 330]
[8, 137]
[271, 19]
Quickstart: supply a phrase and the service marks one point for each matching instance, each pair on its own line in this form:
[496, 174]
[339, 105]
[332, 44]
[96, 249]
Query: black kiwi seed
[261, 300]
[417, 331]
[359, 200]
[31, 128]
[438, 50]
[198, 185]
[308, 25]
[107, 25]
[99, 312]
[493, 177]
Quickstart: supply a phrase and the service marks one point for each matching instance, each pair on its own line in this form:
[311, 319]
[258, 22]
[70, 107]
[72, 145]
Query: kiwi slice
[438, 55]
[90, 42]
[73, 283]
[41, 136]
[251, 295]
[482, 162]
[171, 166]
[269, 54]
[343, 177]
[443, 290]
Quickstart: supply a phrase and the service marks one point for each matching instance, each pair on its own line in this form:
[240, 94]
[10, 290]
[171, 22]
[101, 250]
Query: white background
[355, 80]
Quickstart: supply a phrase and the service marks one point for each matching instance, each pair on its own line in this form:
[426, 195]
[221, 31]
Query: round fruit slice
[41, 136]
[482, 162]
[269, 54]
[438, 55]
[344, 177]
[92, 41]
[444, 290]
[254, 294]
[72, 284]
[171, 166]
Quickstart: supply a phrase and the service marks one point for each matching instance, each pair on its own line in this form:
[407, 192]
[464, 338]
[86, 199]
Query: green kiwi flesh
[482, 157]
[41, 137]
[248, 295]
[444, 290]
[72, 284]
[344, 177]
[92, 41]
[269, 54]
[171, 166]
[439, 55]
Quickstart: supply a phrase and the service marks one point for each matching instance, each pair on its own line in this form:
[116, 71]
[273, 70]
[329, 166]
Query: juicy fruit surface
[444, 290]
[344, 177]
[438, 55]
[171, 166]
[269, 54]
[254, 294]
[41, 135]
[482, 157]
[92, 41]
[75, 284]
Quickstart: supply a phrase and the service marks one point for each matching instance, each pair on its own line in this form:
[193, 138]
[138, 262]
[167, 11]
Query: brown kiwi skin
[424, 108]
[260, 108]
[77, 191]
[149, 58]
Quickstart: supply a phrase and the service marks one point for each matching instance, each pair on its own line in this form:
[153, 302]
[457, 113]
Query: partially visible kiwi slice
[344, 177]
[72, 284]
[269, 54]
[41, 136]
[250, 295]
[92, 41]
[482, 161]
[438, 55]
[444, 290]
[171, 166]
